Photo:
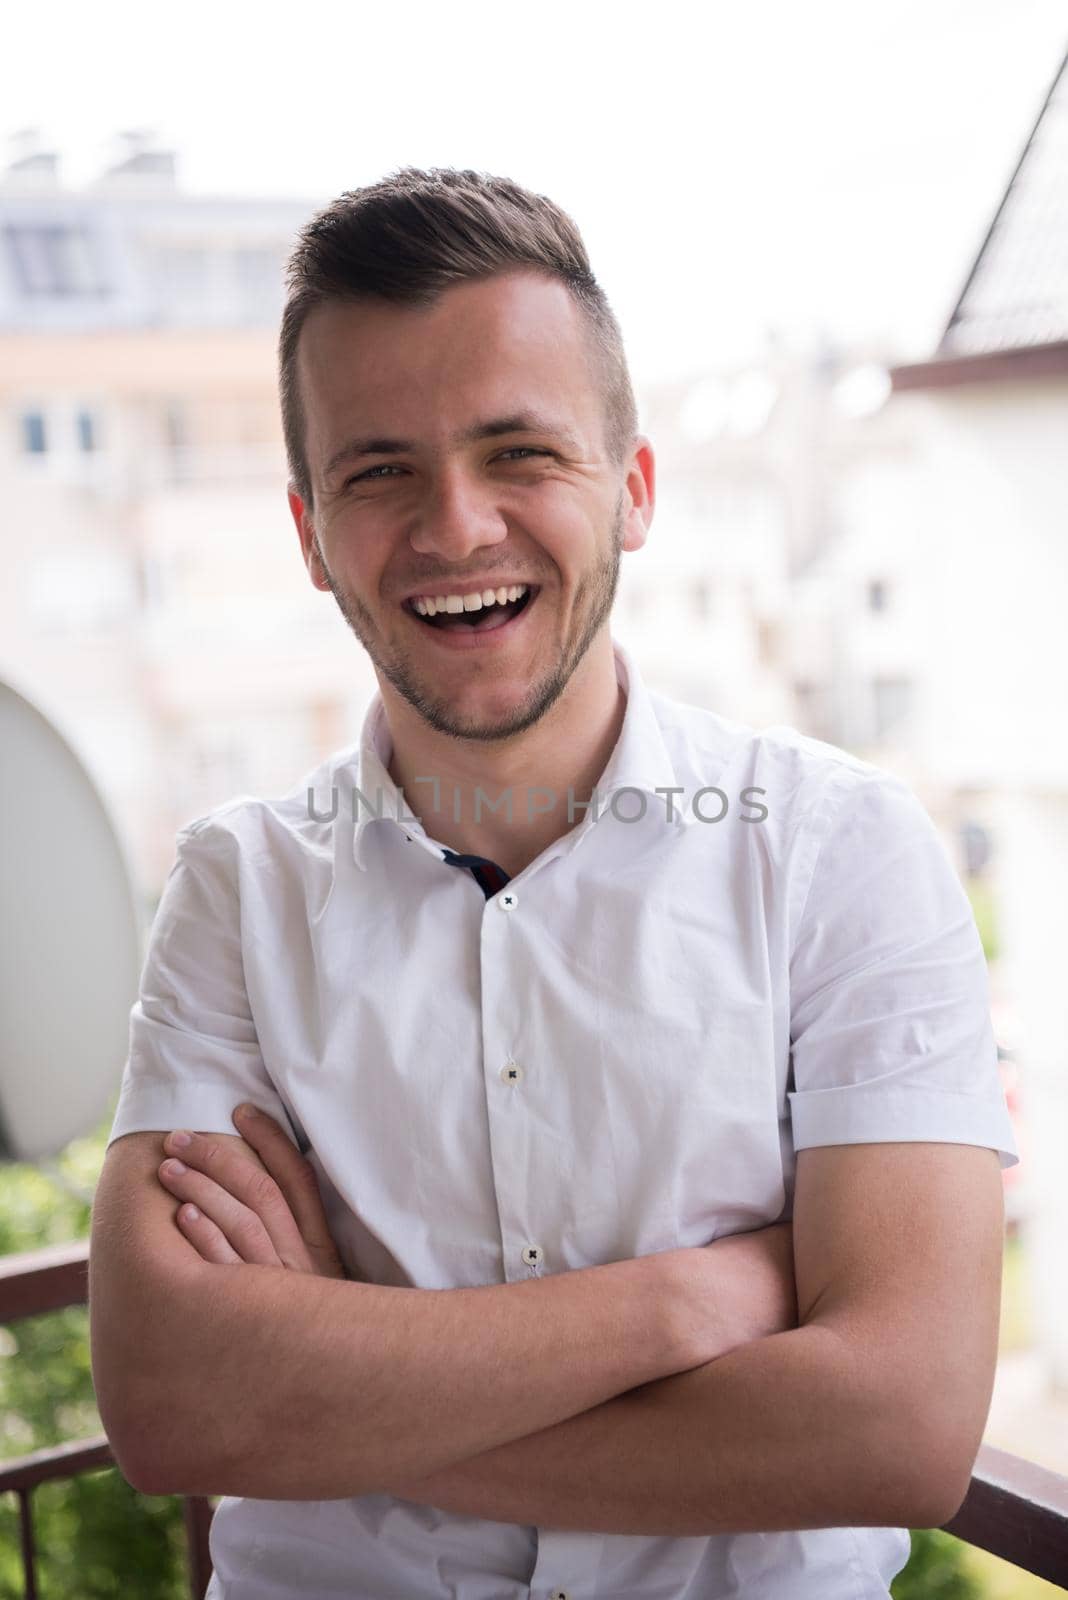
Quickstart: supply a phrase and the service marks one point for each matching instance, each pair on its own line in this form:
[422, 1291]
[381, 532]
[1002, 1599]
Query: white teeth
[429, 606]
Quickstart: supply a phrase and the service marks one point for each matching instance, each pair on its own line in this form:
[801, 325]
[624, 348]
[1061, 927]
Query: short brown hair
[408, 237]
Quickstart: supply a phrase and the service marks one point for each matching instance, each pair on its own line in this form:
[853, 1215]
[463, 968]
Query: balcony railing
[1014, 1509]
[48, 1280]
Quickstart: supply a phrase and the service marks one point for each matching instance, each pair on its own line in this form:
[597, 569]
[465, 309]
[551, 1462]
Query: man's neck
[558, 760]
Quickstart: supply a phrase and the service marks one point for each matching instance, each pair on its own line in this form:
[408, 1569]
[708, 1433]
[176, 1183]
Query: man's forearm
[276, 1385]
[785, 1432]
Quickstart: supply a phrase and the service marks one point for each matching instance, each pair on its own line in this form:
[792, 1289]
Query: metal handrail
[1014, 1508]
[50, 1279]
[1017, 1510]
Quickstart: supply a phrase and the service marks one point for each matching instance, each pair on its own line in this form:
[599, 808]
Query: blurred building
[991, 511]
[769, 588]
[991, 506]
[157, 607]
[879, 559]
[156, 604]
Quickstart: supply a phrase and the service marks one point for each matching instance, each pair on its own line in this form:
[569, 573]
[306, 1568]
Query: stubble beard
[593, 604]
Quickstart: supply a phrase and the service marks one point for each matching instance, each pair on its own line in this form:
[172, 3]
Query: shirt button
[511, 1072]
[532, 1255]
[508, 900]
[558, 1594]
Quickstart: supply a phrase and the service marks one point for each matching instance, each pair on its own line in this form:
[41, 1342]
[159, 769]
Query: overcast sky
[732, 167]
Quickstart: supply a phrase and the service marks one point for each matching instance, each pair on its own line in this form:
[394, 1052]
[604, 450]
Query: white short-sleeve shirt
[618, 1052]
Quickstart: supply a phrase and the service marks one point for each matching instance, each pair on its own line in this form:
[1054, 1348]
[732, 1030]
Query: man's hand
[261, 1207]
[756, 1280]
[740, 1287]
[736, 1289]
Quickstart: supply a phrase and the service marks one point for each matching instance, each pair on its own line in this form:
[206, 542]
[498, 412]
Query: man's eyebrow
[491, 428]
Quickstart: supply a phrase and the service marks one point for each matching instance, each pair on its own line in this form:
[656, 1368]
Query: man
[546, 985]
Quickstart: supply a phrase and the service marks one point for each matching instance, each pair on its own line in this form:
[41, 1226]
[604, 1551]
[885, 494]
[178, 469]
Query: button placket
[532, 1257]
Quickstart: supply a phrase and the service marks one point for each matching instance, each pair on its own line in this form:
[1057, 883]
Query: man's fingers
[209, 1240]
[238, 1225]
[240, 1197]
[296, 1178]
[260, 1192]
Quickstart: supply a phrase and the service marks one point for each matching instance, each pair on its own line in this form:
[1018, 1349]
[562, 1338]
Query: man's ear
[309, 544]
[641, 489]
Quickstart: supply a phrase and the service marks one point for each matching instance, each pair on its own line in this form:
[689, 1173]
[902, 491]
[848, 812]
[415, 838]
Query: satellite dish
[70, 955]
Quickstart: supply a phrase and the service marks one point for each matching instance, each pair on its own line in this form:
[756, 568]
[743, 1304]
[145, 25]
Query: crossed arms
[595, 1400]
[870, 1413]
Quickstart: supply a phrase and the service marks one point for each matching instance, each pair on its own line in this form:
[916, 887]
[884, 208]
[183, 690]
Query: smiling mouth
[481, 620]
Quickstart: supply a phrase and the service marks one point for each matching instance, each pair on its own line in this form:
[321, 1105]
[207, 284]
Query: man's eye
[383, 466]
[519, 449]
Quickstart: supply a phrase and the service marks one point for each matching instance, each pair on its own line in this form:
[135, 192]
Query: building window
[53, 260]
[176, 425]
[178, 462]
[85, 427]
[34, 436]
[812, 709]
[877, 594]
[891, 704]
[182, 277]
[768, 641]
[259, 278]
[149, 582]
[977, 846]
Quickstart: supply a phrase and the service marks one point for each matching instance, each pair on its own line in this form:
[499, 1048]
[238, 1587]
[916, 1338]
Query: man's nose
[457, 516]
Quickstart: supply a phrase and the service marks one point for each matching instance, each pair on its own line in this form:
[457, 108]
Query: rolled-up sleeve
[890, 1031]
[193, 1050]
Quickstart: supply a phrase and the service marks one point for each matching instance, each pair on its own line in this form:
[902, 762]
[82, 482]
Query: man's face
[538, 504]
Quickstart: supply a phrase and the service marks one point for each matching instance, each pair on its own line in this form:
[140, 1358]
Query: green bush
[980, 893]
[95, 1537]
[936, 1570]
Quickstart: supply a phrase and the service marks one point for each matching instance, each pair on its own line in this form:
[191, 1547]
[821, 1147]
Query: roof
[1015, 297]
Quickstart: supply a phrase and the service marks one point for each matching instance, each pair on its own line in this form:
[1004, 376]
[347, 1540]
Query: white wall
[990, 510]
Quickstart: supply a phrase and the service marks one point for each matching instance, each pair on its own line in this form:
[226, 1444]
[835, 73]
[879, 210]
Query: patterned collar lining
[488, 875]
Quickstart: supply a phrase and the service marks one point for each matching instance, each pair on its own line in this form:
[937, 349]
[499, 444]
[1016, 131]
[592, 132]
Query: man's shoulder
[708, 748]
[302, 814]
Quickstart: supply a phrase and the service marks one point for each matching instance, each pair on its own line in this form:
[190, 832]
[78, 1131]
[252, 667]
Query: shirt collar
[640, 760]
